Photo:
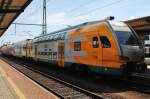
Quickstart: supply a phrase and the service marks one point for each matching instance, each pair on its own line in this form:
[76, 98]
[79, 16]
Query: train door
[61, 54]
[26, 50]
[109, 49]
[95, 56]
[35, 51]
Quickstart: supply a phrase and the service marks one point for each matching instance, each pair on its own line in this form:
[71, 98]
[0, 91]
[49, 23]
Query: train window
[45, 49]
[77, 46]
[24, 48]
[36, 50]
[50, 49]
[50, 55]
[45, 53]
[105, 42]
[54, 55]
[95, 42]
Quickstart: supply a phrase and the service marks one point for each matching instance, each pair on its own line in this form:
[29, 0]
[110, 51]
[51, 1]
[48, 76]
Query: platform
[6, 91]
[15, 85]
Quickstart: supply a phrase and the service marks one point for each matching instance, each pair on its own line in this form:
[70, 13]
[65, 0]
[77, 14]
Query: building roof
[9, 11]
[140, 24]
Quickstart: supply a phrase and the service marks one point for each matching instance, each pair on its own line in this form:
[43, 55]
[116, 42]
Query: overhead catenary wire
[24, 24]
[99, 8]
[28, 24]
[44, 24]
[70, 11]
[81, 6]
[34, 11]
[84, 13]
[93, 10]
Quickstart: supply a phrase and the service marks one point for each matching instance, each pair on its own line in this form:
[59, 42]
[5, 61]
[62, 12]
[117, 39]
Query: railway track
[62, 89]
[140, 75]
[138, 85]
[58, 90]
[140, 82]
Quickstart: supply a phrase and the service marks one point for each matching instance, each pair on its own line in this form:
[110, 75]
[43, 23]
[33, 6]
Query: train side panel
[94, 46]
[78, 44]
[19, 49]
[47, 51]
[30, 49]
[7, 50]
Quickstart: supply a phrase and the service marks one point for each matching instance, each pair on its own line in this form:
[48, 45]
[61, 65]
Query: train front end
[131, 48]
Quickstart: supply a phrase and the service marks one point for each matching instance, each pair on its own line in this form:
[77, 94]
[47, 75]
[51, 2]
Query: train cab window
[105, 42]
[95, 42]
[77, 46]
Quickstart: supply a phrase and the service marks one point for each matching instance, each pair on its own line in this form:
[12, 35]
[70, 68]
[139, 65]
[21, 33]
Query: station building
[142, 28]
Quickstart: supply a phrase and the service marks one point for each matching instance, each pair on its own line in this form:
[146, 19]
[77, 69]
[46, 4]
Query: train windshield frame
[124, 35]
[126, 38]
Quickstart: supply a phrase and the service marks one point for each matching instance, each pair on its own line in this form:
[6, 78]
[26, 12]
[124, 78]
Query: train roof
[60, 34]
[21, 43]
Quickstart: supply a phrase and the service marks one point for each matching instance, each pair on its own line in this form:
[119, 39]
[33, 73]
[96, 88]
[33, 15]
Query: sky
[63, 13]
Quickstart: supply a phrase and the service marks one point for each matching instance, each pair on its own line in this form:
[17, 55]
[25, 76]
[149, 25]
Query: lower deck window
[54, 55]
[50, 55]
[45, 53]
[77, 46]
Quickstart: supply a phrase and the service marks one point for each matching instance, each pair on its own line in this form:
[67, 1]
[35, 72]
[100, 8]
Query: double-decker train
[106, 47]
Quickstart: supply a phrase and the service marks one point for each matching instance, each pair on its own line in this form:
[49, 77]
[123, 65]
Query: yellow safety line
[16, 89]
